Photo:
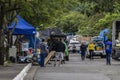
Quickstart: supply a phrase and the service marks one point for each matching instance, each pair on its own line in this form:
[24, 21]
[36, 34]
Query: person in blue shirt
[108, 50]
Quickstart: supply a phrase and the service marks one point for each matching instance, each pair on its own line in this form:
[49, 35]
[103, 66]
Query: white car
[74, 46]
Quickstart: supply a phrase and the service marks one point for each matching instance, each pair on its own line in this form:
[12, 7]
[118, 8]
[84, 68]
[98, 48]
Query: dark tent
[22, 27]
[52, 32]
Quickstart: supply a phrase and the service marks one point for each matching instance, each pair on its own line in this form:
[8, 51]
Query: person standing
[59, 48]
[91, 47]
[43, 52]
[108, 50]
[66, 51]
[83, 49]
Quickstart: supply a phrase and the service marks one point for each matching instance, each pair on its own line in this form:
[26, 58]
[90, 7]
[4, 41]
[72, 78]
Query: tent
[22, 27]
[52, 32]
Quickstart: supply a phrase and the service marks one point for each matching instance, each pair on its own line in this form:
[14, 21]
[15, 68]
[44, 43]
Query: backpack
[43, 47]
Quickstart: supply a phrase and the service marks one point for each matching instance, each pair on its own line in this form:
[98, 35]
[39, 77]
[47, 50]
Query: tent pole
[35, 44]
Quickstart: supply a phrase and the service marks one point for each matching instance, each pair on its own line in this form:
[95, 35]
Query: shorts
[59, 55]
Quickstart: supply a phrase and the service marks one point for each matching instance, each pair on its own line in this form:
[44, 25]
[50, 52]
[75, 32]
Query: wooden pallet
[50, 55]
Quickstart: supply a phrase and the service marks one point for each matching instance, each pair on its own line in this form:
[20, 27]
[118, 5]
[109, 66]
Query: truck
[99, 47]
[116, 40]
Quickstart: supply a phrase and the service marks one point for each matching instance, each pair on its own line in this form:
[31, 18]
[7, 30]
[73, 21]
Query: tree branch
[10, 10]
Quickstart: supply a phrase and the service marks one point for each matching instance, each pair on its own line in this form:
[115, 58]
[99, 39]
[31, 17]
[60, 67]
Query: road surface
[76, 69]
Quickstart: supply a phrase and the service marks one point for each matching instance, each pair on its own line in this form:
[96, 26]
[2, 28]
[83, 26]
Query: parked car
[99, 50]
[74, 46]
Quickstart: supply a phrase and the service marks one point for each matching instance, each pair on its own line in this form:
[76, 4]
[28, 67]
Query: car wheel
[102, 56]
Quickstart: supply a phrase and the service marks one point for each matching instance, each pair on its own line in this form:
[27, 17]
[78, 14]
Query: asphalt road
[75, 69]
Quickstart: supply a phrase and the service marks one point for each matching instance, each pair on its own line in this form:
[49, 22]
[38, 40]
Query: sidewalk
[14, 71]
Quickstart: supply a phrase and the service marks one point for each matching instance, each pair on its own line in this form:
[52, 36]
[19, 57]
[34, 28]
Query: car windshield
[100, 44]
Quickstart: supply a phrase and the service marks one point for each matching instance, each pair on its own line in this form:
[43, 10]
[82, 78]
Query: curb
[23, 73]
[31, 73]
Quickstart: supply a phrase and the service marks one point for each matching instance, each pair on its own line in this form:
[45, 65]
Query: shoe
[63, 61]
[108, 64]
[49, 63]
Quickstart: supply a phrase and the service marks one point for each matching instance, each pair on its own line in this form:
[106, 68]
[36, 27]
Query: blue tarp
[22, 27]
[34, 42]
[31, 40]
[103, 32]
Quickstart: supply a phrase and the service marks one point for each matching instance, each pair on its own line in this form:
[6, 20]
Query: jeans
[108, 61]
[91, 54]
[83, 55]
[42, 56]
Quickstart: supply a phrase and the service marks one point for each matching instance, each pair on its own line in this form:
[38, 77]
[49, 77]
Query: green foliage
[70, 22]
[86, 8]
[71, 15]
[106, 22]
[116, 7]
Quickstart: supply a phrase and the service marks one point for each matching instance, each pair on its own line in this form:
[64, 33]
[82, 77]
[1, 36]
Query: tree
[8, 10]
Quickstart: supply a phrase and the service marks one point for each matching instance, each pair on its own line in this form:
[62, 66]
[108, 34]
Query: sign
[12, 52]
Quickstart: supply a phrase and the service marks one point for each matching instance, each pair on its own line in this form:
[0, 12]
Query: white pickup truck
[99, 49]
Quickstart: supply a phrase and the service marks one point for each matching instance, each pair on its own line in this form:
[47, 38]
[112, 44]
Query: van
[74, 46]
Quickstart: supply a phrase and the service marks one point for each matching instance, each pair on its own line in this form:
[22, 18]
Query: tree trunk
[1, 39]
[2, 49]
[7, 53]
[1, 56]
[8, 10]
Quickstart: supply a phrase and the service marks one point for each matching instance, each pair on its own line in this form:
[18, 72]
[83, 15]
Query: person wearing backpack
[43, 52]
